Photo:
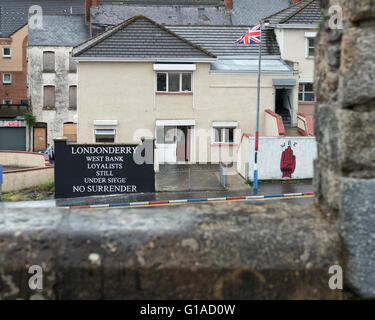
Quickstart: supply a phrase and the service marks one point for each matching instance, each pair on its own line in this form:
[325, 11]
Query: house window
[72, 64]
[49, 97]
[201, 12]
[173, 82]
[48, 61]
[306, 92]
[310, 47]
[7, 52]
[70, 131]
[7, 101]
[165, 135]
[7, 78]
[224, 135]
[105, 135]
[73, 97]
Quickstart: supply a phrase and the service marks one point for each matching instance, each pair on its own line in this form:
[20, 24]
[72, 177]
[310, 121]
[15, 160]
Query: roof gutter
[297, 26]
[253, 57]
[114, 59]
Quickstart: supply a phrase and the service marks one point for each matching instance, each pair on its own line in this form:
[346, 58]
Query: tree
[31, 122]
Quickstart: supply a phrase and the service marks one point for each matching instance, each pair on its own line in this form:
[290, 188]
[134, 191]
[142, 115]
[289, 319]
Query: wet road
[264, 189]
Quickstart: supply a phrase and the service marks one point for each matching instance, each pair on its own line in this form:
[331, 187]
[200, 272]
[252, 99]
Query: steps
[284, 113]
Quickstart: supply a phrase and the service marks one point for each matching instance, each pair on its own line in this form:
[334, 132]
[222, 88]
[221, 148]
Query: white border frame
[7, 82]
[167, 80]
[5, 55]
[213, 142]
[8, 100]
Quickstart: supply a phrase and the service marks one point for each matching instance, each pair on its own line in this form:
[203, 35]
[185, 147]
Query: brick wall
[17, 90]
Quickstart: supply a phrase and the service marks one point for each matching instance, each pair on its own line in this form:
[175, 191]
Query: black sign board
[88, 170]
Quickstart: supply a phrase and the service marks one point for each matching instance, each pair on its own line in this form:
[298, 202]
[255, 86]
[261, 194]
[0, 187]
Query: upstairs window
[7, 101]
[173, 82]
[306, 92]
[73, 97]
[48, 61]
[7, 78]
[310, 47]
[7, 52]
[72, 64]
[49, 97]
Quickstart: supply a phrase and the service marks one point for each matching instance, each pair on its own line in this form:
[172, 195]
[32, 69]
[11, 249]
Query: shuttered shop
[13, 138]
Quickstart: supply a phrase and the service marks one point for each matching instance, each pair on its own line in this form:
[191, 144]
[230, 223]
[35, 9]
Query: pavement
[196, 177]
[176, 182]
[264, 189]
[160, 196]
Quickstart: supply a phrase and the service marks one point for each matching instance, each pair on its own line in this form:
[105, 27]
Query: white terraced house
[191, 88]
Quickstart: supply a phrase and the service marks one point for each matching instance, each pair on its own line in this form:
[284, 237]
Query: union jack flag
[251, 36]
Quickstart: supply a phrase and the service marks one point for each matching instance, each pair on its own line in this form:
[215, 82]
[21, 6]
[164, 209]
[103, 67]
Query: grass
[42, 192]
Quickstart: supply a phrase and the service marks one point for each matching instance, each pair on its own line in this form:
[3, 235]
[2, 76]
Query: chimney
[296, 1]
[229, 4]
[89, 4]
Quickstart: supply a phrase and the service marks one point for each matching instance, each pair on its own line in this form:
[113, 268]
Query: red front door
[181, 144]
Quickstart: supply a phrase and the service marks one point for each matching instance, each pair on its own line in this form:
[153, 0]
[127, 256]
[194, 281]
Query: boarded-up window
[73, 97]
[72, 64]
[49, 97]
[48, 61]
[70, 131]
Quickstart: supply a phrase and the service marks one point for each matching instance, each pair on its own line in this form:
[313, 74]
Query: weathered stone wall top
[345, 118]
[209, 251]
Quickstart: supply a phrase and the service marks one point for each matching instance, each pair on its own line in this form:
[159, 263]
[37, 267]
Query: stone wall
[201, 251]
[345, 118]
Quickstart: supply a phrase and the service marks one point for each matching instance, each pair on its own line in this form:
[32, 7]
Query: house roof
[247, 12]
[14, 13]
[60, 31]
[140, 38]
[305, 12]
[220, 40]
[162, 12]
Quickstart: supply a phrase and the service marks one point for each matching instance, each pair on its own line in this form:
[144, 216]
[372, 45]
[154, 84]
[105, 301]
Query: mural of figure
[288, 163]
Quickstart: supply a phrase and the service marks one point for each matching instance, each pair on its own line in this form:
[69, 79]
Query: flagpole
[255, 185]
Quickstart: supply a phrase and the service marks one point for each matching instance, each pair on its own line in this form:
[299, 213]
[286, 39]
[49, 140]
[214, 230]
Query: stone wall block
[359, 9]
[327, 132]
[358, 234]
[358, 69]
[357, 143]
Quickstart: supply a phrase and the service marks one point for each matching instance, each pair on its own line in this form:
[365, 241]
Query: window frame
[308, 47]
[303, 92]
[167, 82]
[7, 82]
[222, 136]
[96, 135]
[76, 97]
[6, 55]
[10, 101]
[45, 106]
[46, 70]
[72, 64]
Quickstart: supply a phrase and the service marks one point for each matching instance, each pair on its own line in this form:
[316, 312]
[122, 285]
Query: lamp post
[255, 185]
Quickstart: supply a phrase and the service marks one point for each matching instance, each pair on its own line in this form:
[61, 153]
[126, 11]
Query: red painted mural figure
[288, 163]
